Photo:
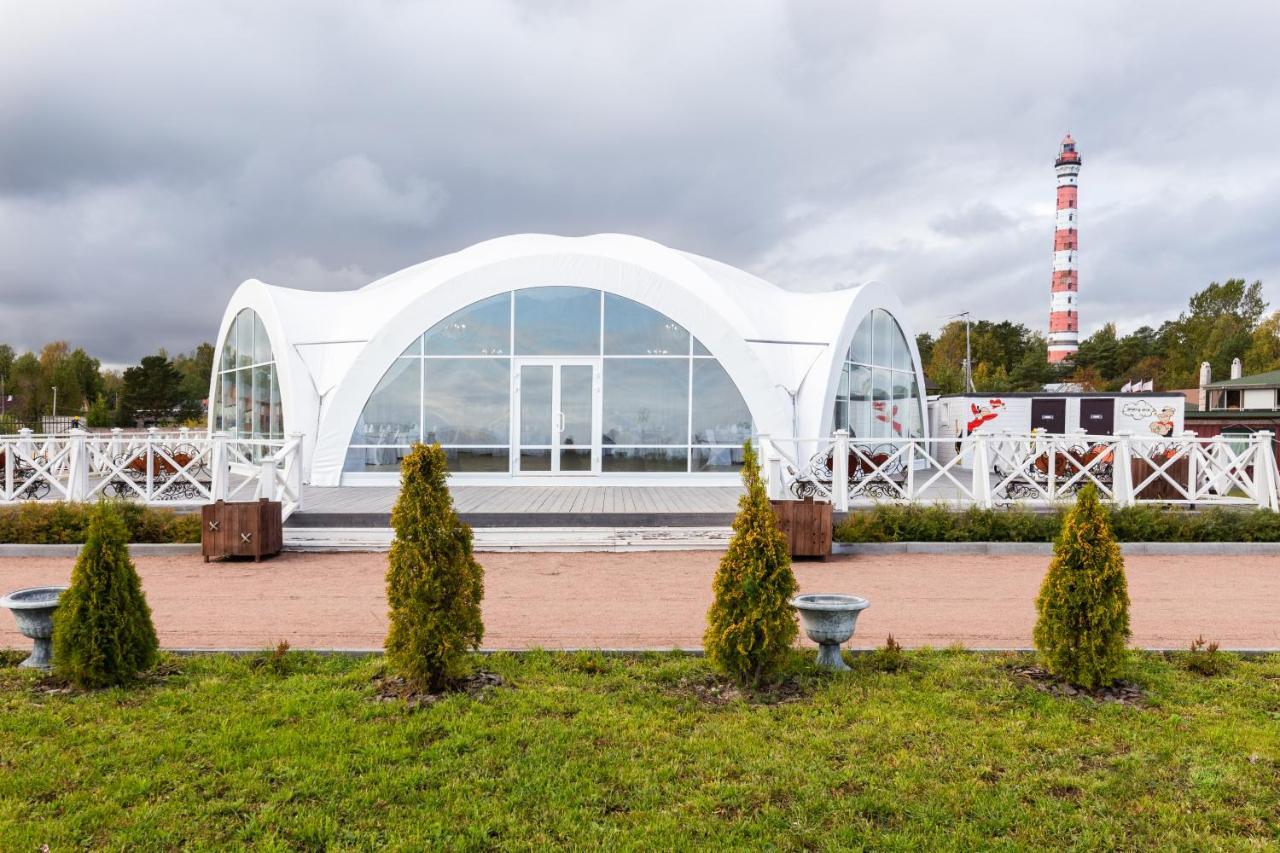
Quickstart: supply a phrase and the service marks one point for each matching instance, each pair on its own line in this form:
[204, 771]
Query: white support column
[982, 470]
[1122, 472]
[78, 466]
[26, 448]
[840, 472]
[114, 448]
[219, 467]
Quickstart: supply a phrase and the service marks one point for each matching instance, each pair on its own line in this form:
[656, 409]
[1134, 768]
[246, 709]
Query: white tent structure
[545, 358]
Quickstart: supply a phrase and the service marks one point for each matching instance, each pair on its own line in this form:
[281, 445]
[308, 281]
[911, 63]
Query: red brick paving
[659, 599]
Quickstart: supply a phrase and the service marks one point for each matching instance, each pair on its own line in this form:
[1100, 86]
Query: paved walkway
[659, 600]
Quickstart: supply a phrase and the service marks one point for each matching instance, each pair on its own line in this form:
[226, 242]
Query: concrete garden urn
[32, 609]
[829, 620]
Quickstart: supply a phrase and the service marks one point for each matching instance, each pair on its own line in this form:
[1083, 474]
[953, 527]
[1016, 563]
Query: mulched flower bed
[393, 688]
[1122, 692]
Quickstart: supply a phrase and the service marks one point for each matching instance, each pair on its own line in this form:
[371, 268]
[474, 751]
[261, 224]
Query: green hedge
[935, 523]
[56, 523]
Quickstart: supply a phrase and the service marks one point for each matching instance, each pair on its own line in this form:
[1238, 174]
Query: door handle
[559, 422]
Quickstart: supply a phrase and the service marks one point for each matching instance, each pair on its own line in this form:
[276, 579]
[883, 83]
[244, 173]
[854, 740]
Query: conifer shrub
[434, 584]
[1082, 611]
[751, 626]
[102, 630]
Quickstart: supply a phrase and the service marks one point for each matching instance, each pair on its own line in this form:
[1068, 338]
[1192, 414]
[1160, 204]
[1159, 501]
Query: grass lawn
[589, 750]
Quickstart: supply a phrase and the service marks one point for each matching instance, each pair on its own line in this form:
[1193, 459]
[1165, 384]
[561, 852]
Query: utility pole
[968, 353]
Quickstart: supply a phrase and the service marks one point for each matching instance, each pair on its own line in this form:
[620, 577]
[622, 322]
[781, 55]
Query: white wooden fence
[1035, 469]
[178, 468]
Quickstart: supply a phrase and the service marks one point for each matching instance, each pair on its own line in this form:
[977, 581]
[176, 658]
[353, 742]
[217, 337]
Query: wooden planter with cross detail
[241, 529]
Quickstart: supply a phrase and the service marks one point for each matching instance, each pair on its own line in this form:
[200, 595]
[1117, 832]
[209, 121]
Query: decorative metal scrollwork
[187, 477]
[1096, 461]
[30, 486]
[869, 466]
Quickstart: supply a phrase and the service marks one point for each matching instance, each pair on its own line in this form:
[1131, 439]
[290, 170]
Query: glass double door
[557, 414]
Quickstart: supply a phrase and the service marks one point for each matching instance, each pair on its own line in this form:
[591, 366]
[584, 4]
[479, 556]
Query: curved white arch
[651, 287]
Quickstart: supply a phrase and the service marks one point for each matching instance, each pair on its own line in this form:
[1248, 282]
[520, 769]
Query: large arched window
[878, 395]
[247, 403]
[556, 380]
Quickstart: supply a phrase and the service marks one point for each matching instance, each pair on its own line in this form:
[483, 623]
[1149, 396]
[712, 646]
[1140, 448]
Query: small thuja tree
[434, 584]
[751, 625]
[1083, 607]
[102, 629]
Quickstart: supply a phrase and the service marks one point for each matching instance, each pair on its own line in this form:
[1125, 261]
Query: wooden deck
[543, 506]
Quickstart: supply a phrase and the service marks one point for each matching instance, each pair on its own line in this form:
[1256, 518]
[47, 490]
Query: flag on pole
[1128, 386]
[1150, 385]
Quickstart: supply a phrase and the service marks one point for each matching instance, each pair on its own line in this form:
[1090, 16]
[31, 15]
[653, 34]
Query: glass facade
[663, 403]
[246, 400]
[878, 396]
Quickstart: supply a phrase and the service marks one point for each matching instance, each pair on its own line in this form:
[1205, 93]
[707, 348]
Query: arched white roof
[782, 348]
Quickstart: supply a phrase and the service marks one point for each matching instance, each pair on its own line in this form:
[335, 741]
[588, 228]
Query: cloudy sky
[154, 155]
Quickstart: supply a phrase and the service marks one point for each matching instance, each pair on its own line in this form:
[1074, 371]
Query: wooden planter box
[807, 525]
[241, 529]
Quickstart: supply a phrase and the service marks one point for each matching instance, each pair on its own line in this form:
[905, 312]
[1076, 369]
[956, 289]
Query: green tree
[1263, 353]
[987, 380]
[751, 624]
[102, 629]
[196, 368]
[434, 584]
[1082, 622]
[1217, 327]
[7, 356]
[153, 388]
[26, 383]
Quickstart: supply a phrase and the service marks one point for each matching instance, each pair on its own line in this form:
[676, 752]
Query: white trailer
[958, 416]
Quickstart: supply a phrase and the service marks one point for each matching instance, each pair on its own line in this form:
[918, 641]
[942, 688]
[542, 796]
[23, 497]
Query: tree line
[160, 388]
[1222, 322]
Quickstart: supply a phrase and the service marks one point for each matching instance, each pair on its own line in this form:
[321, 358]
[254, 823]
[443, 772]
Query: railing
[1035, 469]
[181, 468]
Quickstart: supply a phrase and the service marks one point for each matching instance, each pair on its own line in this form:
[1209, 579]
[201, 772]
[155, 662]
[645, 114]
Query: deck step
[523, 538]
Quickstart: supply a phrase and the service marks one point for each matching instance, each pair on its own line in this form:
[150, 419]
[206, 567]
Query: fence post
[1122, 473]
[113, 446]
[25, 446]
[1193, 464]
[297, 438]
[1261, 476]
[840, 471]
[981, 470]
[8, 470]
[219, 467]
[78, 467]
[1267, 462]
[267, 478]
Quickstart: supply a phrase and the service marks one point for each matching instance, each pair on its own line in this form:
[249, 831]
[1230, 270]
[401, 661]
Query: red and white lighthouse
[1064, 321]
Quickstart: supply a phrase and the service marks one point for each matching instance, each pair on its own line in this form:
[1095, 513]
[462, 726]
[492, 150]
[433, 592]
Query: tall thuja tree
[1083, 607]
[102, 629]
[751, 625]
[434, 584]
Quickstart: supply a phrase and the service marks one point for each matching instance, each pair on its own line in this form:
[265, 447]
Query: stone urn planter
[829, 620]
[32, 609]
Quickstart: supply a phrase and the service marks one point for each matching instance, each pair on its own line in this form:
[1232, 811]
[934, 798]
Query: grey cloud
[153, 156]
